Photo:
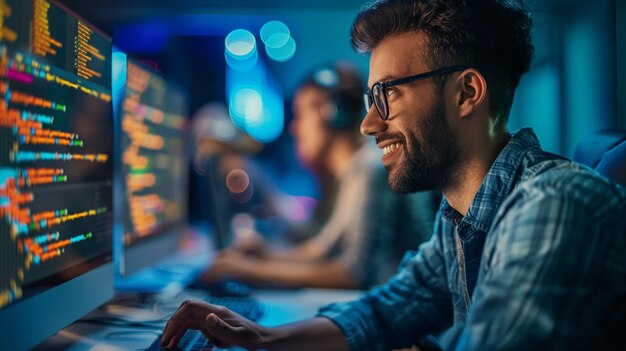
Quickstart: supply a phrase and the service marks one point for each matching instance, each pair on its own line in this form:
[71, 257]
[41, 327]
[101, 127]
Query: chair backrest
[605, 151]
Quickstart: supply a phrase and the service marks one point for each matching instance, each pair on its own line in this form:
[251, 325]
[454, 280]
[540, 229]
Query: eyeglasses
[377, 95]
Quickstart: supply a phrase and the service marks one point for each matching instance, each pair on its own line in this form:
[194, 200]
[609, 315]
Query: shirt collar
[497, 185]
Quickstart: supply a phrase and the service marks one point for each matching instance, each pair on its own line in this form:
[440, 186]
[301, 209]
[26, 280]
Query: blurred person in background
[234, 193]
[223, 161]
[370, 227]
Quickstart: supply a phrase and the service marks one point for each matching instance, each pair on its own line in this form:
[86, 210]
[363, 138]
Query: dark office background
[570, 91]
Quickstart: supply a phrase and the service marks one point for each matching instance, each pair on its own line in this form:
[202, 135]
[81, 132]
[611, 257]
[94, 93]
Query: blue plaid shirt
[538, 262]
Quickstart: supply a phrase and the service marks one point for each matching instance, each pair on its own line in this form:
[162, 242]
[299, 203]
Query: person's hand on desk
[220, 325]
[231, 263]
[249, 242]
[226, 328]
[333, 274]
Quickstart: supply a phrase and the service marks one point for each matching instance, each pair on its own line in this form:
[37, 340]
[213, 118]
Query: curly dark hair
[493, 36]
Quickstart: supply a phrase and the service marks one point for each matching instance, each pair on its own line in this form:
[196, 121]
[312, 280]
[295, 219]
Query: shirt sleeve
[414, 303]
[555, 276]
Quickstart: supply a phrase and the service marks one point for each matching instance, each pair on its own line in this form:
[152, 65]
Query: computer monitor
[153, 165]
[56, 169]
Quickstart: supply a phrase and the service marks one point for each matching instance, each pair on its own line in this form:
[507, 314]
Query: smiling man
[529, 248]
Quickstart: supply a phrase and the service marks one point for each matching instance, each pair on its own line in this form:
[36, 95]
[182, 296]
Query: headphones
[344, 110]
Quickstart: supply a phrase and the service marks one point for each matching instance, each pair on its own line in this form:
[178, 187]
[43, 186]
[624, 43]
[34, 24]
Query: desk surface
[97, 333]
[280, 306]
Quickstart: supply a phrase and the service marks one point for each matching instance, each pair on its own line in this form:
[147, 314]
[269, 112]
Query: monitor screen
[56, 168]
[153, 165]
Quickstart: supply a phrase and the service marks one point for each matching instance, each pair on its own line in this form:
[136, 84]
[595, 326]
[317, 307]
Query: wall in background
[620, 44]
[322, 37]
[569, 92]
[589, 67]
[538, 99]
[570, 89]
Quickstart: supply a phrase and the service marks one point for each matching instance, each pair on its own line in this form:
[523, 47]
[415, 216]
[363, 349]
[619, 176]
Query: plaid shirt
[538, 262]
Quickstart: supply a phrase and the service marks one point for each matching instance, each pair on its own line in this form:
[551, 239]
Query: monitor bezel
[55, 308]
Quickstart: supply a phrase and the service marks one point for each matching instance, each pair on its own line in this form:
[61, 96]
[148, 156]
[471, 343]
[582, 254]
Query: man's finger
[176, 335]
[181, 315]
[181, 332]
[223, 333]
[188, 312]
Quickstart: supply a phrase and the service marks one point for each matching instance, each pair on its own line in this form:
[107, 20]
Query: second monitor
[153, 164]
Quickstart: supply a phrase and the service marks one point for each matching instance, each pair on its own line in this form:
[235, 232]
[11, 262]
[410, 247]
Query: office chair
[605, 151]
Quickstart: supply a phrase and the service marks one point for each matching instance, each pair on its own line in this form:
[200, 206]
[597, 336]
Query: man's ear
[473, 91]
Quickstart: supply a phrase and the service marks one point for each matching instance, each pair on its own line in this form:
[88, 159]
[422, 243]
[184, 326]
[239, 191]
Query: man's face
[420, 149]
[308, 127]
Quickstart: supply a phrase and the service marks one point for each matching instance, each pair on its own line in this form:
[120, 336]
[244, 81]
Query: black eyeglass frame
[368, 97]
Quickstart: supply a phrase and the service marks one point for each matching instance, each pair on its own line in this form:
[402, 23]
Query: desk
[280, 306]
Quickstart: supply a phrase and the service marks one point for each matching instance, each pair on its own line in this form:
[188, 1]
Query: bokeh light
[242, 64]
[237, 181]
[282, 53]
[240, 44]
[246, 106]
[272, 28]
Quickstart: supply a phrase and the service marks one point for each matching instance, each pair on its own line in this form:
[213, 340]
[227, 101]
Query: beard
[426, 164]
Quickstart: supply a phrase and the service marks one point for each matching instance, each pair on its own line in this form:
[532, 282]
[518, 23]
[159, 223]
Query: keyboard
[194, 340]
[244, 306]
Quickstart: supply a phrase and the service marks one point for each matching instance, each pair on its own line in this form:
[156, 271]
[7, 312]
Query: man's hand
[224, 328]
[220, 325]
